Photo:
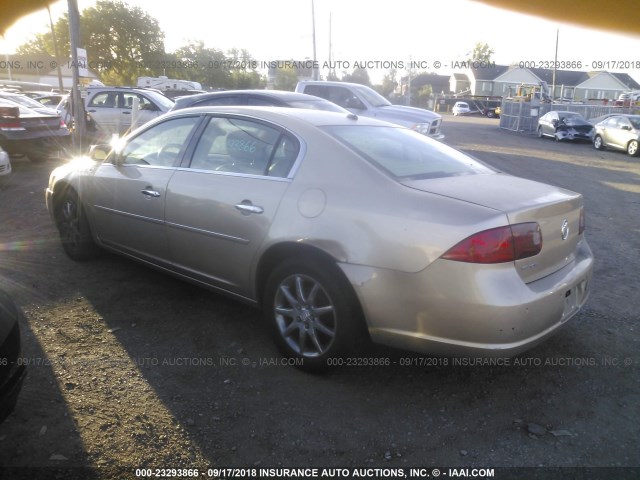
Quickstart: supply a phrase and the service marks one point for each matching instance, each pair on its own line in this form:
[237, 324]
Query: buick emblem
[564, 231]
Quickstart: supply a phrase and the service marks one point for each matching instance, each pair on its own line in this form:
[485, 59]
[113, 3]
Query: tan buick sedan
[338, 227]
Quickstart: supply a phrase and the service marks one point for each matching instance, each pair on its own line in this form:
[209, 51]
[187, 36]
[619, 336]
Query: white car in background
[5, 167]
[460, 108]
[112, 107]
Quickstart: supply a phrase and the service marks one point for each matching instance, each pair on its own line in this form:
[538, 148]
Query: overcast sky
[424, 31]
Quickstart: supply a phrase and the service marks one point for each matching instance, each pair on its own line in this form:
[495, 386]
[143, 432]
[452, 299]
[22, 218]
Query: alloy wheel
[305, 315]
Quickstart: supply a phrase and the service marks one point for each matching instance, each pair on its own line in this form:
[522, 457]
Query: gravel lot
[132, 369]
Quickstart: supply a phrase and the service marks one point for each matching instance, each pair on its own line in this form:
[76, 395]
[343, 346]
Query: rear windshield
[405, 154]
[316, 105]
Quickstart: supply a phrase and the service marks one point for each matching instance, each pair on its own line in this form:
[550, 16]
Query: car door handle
[150, 193]
[247, 208]
[126, 113]
[91, 111]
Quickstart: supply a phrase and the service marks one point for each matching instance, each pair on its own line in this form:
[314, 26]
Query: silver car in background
[340, 227]
[365, 101]
[621, 132]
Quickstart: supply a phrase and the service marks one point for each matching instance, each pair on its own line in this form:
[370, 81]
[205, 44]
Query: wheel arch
[59, 189]
[276, 254]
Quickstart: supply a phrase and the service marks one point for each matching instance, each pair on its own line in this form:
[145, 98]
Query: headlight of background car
[422, 128]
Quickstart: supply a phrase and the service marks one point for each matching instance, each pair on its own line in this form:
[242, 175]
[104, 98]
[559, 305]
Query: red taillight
[498, 245]
[582, 222]
[10, 124]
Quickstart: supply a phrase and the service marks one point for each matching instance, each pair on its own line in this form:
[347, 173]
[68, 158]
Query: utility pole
[56, 52]
[313, 21]
[76, 99]
[555, 63]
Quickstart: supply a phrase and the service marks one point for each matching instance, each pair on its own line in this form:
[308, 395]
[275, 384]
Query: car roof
[279, 94]
[284, 115]
[333, 83]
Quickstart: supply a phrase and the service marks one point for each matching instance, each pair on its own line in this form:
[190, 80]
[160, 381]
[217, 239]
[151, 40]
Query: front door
[129, 191]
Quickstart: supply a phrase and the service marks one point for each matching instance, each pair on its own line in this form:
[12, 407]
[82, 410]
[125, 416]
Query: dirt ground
[132, 369]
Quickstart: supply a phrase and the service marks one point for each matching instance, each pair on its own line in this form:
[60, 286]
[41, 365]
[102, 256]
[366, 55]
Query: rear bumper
[23, 142]
[454, 308]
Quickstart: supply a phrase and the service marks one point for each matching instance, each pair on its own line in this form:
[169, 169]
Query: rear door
[103, 108]
[219, 210]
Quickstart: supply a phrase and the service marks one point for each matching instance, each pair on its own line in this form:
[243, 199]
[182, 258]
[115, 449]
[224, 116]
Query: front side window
[405, 154]
[243, 146]
[160, 145]
[338, 95]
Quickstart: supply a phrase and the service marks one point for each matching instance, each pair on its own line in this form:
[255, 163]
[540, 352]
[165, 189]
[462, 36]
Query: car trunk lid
[40, 122]
[556, 210]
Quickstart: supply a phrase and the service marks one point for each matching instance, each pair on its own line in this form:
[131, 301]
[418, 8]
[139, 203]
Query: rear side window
[104, 100]
[243, 146]
[261, 102]
[218, 101]
[405, 154]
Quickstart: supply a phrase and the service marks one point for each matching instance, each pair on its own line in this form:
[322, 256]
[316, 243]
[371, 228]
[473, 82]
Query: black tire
[75, 232]
[312, 313]
[540, 135]
[632, 148]
[491, 114]
[598, 144]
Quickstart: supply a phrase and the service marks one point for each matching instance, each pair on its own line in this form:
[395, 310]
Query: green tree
[422, 95]
[243, 75]
[481, 52]
[200, 64]
[359, 75]
[286, 78]
[122, 42]
[389, 83]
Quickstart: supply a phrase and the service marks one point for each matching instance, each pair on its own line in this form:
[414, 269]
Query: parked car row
[616, 131]
[35, 131]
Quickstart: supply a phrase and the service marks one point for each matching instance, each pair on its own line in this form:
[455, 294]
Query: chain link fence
[523, 116]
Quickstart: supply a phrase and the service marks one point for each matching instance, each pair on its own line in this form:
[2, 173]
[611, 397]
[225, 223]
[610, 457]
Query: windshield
[373, 97]
[405, 154]
[570, 116]
[635, 121]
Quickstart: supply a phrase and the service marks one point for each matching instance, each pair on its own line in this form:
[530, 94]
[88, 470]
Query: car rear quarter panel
[348, 208]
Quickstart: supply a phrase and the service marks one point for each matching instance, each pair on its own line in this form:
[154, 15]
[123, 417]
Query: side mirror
[626, 127]
[99, 152]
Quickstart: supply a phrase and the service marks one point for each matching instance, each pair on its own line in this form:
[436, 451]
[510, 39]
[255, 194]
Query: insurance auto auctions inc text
[304, 473]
